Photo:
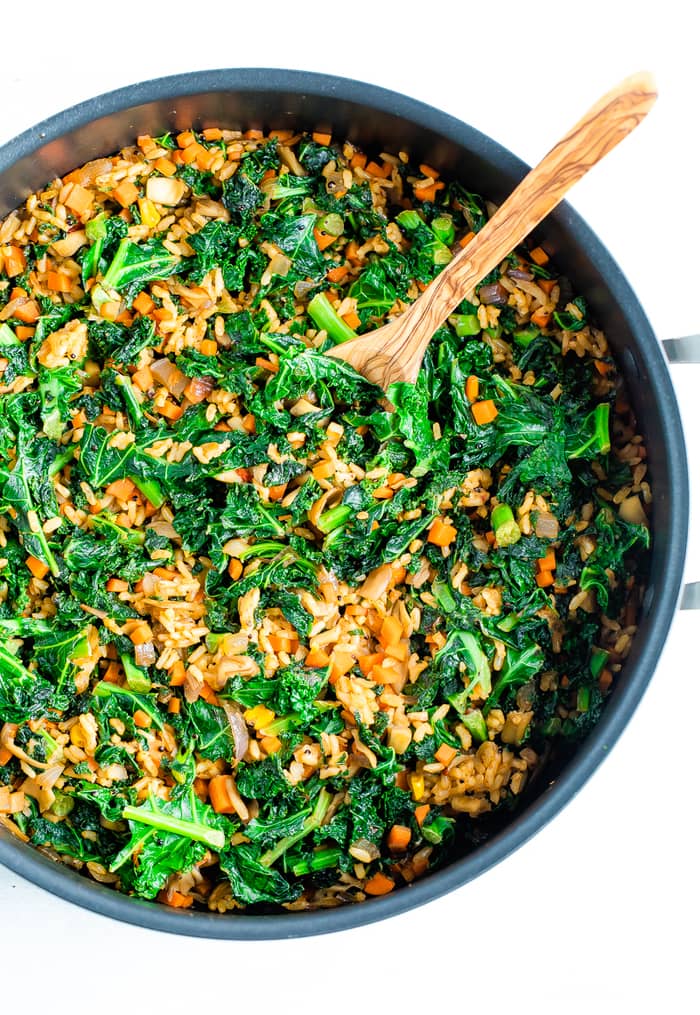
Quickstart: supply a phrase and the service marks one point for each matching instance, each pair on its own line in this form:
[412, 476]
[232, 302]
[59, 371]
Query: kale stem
[334, 518]
[62, 458]
[324, 316]
[151, 490]
[213, 837]
[314, 820]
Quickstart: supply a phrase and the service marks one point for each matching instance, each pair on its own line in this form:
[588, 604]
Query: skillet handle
[690, 597]
[682, 350]
[685, 350]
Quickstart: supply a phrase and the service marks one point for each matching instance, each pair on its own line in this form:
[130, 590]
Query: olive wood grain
[395, 351]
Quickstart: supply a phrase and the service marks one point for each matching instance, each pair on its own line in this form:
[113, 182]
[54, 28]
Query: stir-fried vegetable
[265, 638]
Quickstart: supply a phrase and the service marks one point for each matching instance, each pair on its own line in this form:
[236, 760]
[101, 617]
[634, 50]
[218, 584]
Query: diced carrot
[142, 719]
[391, 632]
[351, 252]
[421, 813]
[323, 240]
[445, 754]
[122, 489]
[189, 154]
[266, 364]
[253, 134]
[117, 585]
[341, 662]
[428, 193]
[320, 137]
[282, 135]
[143, 379]
[544, 579]
[185, 139]
[277, 492]
[398, 838]
[160, 314]
[170, 410]
[177, 673]
[126, 193]
[368, 662]
[79, 200]
[441, 533]
[206, 157]
[208, 694]
[143, 303]
[352, 320]
[546, 284]
[472, 388]
[358, 161]
[209, 347]
[548, 562]
[601, 366]
[38, 568]
[235, 569]
[379, 884]
[338, 273]
[58, 282]
[141, 634]
[5, 755]
[539, 256]
[317, 658]
[467, 239]
[282, 643]
[27, 312]
[221, 789]
[490, 538]
[15, 261]
[245, 474]
[23, 333]
[249, 423]
[271, 745]
[323, 470]
[541, 318]
[110, 310]
[174, 706]
[484, 412]
[374, 169]
[175, 899]
[212, 134]
[165, 166]
[383, 493]
[125, 317]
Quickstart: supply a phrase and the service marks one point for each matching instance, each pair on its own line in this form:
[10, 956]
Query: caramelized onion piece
[238, 729]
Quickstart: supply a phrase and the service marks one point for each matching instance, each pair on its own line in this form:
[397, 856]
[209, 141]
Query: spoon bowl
[394, 352]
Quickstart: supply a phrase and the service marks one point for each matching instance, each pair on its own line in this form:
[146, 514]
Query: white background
[599, 911]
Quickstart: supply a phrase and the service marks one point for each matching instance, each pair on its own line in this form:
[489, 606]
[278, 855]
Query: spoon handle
[610, 120]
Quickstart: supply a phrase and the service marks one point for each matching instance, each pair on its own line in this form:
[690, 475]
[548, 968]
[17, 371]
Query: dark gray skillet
[373, 116]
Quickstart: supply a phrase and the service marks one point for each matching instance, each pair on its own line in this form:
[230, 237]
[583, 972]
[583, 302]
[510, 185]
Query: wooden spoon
[395, 351]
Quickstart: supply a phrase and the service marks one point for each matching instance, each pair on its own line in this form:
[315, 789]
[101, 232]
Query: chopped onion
[546, 526]
[376, 583]
[238, 729]
[70, 243]
[163, 528]
[169, 375]
[279, 265]
[200, 388]
[493, 294]
[145, 655]
[149, 580]
[165, 190]
[632, 510]
[87, 175]
[520, 273]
